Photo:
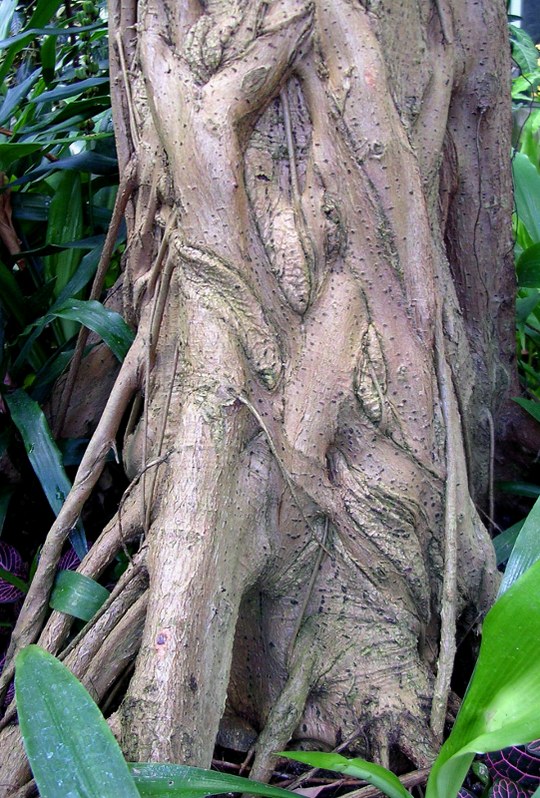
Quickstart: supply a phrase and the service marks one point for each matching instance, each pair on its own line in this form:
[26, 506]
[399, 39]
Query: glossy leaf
[108, 324]
[501, 705]
[13, 151]
[61, 92]
[524, 52]
[504, 542]
[528, 267]
[7, 9]
[77, 595]
[48, 58]
[69, 745]
[44, 457]
[83, 162]
[170, 781]
[527, 194]
[380, 777]
[526, 549]
[43, 11]
[65, 224]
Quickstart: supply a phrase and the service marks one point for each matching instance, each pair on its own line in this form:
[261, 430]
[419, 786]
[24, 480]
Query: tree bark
[319, 270]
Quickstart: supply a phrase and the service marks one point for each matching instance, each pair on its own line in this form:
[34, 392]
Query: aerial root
[288, 708]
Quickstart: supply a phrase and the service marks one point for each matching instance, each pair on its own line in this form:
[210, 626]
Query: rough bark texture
[318, 269]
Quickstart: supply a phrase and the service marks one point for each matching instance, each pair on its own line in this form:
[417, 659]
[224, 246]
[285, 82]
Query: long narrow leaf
[527, 194]
[526, 549]
[61, 92]
[44, 456]
[77, 595]
[385, 781]
[181, 781]
[108, 324]
[69, 745]
[500, 708]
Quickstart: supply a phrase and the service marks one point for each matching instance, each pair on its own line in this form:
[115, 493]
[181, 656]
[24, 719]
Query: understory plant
[72, 750]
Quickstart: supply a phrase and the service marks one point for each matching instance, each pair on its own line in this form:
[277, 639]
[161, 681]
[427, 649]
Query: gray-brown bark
[327, 185]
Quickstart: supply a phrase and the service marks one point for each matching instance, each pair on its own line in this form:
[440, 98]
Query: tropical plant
[72, 750]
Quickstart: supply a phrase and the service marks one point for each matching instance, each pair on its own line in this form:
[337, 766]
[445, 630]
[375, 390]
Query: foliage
[73, 752]
[70, 746]
[500, 708]
[58, 182]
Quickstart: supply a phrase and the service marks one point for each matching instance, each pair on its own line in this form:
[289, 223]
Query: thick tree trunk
[318, 268]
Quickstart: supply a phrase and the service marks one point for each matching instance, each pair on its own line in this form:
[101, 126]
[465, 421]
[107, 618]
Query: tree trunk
[319, 271]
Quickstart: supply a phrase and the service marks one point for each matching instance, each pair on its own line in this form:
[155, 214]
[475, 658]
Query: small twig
[125, 190]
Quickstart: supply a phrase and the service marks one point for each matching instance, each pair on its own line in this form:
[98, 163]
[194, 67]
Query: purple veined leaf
[69, 561]
[10, 561]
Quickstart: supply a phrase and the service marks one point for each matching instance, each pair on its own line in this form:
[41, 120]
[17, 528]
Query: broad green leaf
[44, 457]
[14, 580]
[61, 92]
[525, 305]
[108, 324]
[77, 595]
[527, 194]
[528, 267]
[530, 406]
[172, 781]
[13, 151]
[501, 705]
[71, 750]
[524, 52]
[526, 550]
[380, 777]
[505, 541]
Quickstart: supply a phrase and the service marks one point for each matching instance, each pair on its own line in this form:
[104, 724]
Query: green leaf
[524, 52]
[14, 580]
[108, 324]
[65, 224]
[61, 92]
[11, 297]
[527, 194]
[526, 550]
[520, 489]
[13, 97]
[77, 595]
[69, 745]
[44, 457]
[528, 267]
[169, 781]
[501, 705]
[83, 162]
[11, 152]
[7, 9]
[505, 541]
[43, 12]
[530, 406]
[380, 777]
[48, 58]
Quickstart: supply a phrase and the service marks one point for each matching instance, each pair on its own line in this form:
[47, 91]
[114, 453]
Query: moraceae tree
[319, 273]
